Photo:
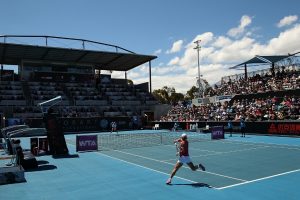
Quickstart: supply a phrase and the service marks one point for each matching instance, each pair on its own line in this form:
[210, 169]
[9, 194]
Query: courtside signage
[86, 143]
[217, 132]
[284, 128]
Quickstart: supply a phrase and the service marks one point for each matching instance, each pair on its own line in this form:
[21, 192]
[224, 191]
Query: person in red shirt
[184, 157]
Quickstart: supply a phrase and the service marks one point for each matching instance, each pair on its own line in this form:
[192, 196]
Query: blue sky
[231, 31]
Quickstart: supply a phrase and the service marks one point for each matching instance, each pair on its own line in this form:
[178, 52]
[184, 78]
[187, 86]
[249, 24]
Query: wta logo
[217, 132]
[86, 143]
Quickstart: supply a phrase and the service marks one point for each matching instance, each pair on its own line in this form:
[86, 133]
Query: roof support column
[1, 72]
[21, 70]
[150, 80]
[273, 69]
[246, 73]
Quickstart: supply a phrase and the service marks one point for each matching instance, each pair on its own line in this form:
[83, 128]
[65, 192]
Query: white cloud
[287, 42]
[217, 54]
[222, 42]
[237, 31]
[180, 83]
[166, 70]
[233, 52]
[174, 61]
[190, 58]
[158, 51]
[133, 75]
[288, 20]
[176, 47]
[184, 81]
[205, 39]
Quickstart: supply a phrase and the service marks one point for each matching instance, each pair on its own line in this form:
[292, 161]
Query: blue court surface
[254, 167]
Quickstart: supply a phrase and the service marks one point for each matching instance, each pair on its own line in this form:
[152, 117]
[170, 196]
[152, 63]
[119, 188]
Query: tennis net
[135, 140]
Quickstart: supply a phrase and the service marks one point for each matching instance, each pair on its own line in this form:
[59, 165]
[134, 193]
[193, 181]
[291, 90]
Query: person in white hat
[184, 157]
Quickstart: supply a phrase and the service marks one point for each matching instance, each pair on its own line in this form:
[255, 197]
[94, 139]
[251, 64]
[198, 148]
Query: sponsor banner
[284, 128]
[291, 128]
[217, 132]
[86, 143]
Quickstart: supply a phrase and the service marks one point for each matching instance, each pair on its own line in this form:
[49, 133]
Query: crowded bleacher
[285, 79]
[85, 92]
[115, 99]
[286, 107]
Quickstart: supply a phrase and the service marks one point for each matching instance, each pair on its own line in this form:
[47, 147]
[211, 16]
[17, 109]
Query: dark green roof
[262, 60]
[15, 54]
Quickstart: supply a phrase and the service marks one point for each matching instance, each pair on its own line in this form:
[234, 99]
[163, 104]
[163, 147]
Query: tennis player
[113, 127]
[242, 126]
[184, 158]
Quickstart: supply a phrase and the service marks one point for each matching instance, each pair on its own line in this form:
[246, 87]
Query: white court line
[246, 143]
[283, 146]
[256, 180]
[229, 177]
[200, 149]
[229, 186]
[143, 166]
[225, 152]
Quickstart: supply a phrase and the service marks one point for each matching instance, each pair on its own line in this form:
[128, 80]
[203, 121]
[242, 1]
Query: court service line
[283, 146]
[260, 179]
[148, 168]
[233, 151]
[229, 177]
[200, 149]
[131, 163]
[240, 142]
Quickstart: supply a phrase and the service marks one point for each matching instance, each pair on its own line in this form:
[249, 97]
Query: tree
[161, 95]
[129, 82]
[167, 95]
[175, 97]
[190, 93]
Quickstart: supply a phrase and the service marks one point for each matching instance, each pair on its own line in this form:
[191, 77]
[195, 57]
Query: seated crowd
[287, 108]
[283, 80]
[120, 100]
[271, 108]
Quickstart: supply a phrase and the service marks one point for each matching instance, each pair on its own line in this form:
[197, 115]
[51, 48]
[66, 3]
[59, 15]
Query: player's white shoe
[168, 182]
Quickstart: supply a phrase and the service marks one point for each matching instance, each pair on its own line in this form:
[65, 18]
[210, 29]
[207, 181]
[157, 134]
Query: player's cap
[184, 135]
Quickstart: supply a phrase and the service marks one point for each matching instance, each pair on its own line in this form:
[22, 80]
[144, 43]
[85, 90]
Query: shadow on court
[42, 168]
[42, 162]
[65, 156]
[43, 165]
[196, 185]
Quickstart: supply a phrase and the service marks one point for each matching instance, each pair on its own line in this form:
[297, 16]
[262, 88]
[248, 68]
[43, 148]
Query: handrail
[64, 38]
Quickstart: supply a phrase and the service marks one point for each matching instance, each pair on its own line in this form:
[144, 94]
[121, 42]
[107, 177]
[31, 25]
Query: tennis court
[136, 167]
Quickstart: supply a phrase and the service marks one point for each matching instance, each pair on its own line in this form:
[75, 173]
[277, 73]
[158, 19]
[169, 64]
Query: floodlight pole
[198, 47]
[150, 79]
